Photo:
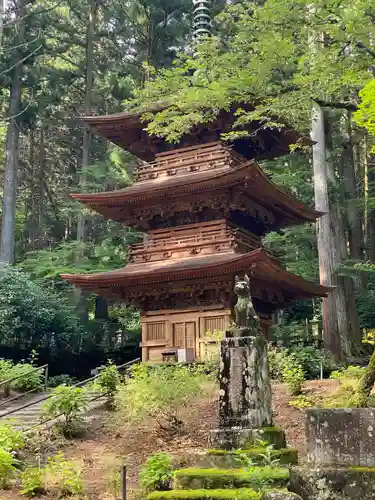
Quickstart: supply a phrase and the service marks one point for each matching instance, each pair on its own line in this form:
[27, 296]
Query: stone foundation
[333, 483]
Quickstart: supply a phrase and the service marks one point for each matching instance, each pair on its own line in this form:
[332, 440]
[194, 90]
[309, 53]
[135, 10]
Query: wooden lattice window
[215, 323]
[156, 331]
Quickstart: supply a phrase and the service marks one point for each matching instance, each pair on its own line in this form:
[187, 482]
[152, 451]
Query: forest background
[311, 66]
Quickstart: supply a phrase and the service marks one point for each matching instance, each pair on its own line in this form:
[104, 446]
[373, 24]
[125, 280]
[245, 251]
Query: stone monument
[245, 401]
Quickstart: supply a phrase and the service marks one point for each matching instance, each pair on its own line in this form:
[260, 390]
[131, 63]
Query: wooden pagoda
[205, 206]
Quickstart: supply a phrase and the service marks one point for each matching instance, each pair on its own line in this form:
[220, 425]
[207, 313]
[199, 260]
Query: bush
[294, 378]
[61, 380]
[7, 468]
[32, 481]
[159, 392]
[108, 381]
[64, 476]
[31, 381]
[5, 369]
[351, 372]
[70, 403]
[157, 472]
[11, 439]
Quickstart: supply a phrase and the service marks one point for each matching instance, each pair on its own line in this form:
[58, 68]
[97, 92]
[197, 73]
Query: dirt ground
[111, 442]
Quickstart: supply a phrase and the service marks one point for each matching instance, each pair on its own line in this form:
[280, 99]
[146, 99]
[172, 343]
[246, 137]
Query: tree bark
[8, 218]
[325, 240]
[86, 145]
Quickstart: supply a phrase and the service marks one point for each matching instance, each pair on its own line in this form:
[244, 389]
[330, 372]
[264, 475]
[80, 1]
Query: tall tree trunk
[86, 144]
[324, 235]
[8, 217]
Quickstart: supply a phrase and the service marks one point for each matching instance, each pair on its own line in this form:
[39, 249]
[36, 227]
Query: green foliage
[108, 381]
[5, 369]
[346, 396]
[61, 380]
[351, 372]
[157, 472]
[68, 402]
[11, 439]
[301, 402]
[294, 377]
[64, 476]
[309, 358]
[7, 468]
[29, 380]
[365, 115]
[31, 316]
[159, 392]
[32, 481]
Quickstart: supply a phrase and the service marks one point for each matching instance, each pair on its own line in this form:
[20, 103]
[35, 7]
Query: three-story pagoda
[205, 206]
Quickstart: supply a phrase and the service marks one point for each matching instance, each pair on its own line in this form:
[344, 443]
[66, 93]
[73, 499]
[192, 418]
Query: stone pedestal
[341, 453]
[245, 391]
[341, 436]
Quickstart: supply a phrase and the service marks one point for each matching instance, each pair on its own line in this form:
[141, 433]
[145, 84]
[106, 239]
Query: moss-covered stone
[255, 477]
[273, 435]
[333, 483]
[231, 459]
[220, 494]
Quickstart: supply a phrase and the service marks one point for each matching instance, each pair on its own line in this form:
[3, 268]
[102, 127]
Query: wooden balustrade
[192, 159]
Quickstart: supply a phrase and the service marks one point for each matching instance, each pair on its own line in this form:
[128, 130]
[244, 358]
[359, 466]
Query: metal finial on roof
[202, 18]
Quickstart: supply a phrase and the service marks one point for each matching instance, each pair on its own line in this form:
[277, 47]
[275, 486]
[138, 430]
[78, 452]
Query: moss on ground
[286, 456]
[204, 494]
[255, 477]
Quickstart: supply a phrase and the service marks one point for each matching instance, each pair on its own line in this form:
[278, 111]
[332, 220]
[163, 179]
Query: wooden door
[184, 335]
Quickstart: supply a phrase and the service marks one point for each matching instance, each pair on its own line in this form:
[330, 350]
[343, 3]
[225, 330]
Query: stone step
[229, 438]
[260, 456]
[220, 494]
[223, 494]
[252, 477]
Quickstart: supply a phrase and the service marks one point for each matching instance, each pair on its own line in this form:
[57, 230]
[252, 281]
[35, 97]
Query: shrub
[68, 402]
[32, 380]
[157, 472]
[61, 380]
[5, 369]
[351, 372]
[32, 481]
[10, 438]
[294, 378]
[64, 476]
[159, 392]
[7, 468]
[302, 402]
[108, 381]
[346, 396]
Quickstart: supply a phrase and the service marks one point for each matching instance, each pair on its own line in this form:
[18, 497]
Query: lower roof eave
[262, 266]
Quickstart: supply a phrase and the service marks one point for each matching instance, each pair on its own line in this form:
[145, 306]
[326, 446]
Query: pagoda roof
[264, 267]
[248, 177]
[128, 131]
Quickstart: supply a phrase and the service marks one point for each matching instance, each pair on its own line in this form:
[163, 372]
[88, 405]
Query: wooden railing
[208, 238]
[184, 160]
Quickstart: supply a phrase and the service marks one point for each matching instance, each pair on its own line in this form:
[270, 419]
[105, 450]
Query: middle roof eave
[250, 174]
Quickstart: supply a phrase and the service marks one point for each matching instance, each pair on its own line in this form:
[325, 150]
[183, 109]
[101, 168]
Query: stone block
[332, 483]
[280, 495]
[231, 459]
[341, 436]
[236, 437]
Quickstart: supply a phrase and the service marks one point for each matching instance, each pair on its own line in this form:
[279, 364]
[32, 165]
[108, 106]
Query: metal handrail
[44, 398]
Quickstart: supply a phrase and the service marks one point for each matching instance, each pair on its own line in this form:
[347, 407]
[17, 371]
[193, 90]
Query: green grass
[220, 494]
